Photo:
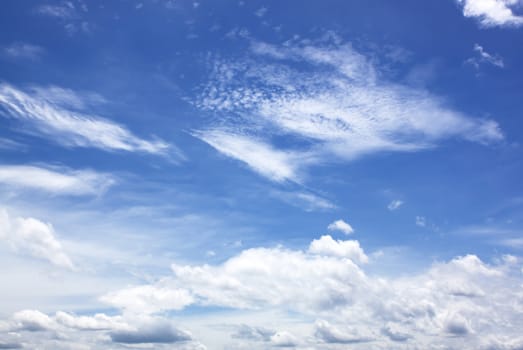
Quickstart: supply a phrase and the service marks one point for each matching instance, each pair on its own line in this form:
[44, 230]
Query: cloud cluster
[287, 107]
[493, 13]
[65, 330]
[463, 303]
[57, 114]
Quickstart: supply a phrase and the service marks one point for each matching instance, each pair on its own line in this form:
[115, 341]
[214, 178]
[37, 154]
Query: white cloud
[66, 10]
[461, 303]
[54, 113]
[96, 331]
[32, 320]
[342, 226]
[149, 299]
[261, 12]
[338, 109]
[284, 339]
[327, 333]
[484, 57]
[493, 13]
[306, 200]
[62, 181]
[258, 155]
[421, 221]
[24, 50]
[395, 204]
[344, 249]
[33, 237]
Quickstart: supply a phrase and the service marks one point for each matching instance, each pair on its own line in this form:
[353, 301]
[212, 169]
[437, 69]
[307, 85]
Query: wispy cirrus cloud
[328, 98]
[483, 56]
[395, 205]
[63, 10]
[57, 180]
[57, 114]
[493, 13]
[20, 50]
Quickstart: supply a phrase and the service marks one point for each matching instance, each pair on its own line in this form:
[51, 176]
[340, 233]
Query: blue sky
[261, 174]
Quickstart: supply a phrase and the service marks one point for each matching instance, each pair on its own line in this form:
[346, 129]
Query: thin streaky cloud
[20, 50]
[55, 180]
[483, 56]
[52, 118]
[395, 205]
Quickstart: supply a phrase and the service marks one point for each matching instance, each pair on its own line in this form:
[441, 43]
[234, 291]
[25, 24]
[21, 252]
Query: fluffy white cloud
[327, 333]
[98, 331]
[33, 237]
[149, 299]
[55, 113]
[320, 293]
[344, 249]
[32, 320]
[61, 181]
[342, 226]
[338, 109]
[463, 301]
[493, 13]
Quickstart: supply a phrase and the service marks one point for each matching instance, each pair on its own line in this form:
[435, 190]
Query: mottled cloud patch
[336, 108]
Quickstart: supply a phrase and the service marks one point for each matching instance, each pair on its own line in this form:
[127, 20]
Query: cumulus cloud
[463, 303]
[32, 320]
[493, 13]
[134, 329]
[344, 249]
[327, 333]
[284, 339]
[336, 108]
[157, 332]
[149, 299]
[60, 181]
[34, 238]
[57, 114]
[342, 226]
[464, 298]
